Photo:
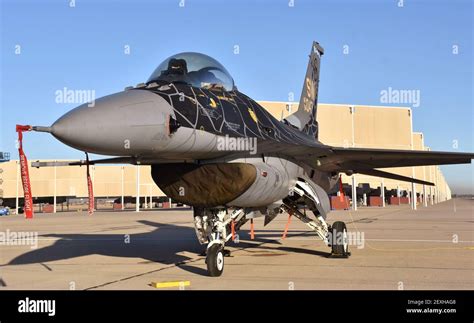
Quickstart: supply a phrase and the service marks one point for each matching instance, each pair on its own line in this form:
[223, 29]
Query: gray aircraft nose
[126, 123]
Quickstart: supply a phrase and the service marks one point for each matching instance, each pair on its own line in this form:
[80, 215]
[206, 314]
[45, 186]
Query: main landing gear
[334, 236]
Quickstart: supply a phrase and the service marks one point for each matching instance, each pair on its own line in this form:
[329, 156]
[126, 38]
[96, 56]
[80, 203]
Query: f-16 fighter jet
[216, 149]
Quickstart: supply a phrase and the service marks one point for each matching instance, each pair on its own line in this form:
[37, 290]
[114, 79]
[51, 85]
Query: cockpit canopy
[195, 69]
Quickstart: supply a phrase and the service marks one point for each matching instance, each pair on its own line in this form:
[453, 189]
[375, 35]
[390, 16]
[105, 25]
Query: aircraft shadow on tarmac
[165, 244]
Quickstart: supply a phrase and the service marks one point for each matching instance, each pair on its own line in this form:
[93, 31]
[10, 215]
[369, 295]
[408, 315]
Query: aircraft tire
[340, 243]
[215, 260]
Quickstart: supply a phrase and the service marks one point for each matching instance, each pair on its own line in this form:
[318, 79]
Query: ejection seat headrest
[177, 66]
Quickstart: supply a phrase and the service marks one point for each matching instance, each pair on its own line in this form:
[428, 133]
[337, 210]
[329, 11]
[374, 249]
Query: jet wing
[366, 160]
[360, 159]
[318, 156]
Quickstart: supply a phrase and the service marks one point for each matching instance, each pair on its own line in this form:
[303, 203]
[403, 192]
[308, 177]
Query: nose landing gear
[213, 226]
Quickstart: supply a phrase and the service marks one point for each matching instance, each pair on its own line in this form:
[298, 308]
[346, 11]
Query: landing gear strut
[213, 226]
[334, 236]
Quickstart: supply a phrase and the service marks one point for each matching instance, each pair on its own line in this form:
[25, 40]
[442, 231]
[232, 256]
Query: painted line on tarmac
[169, 284]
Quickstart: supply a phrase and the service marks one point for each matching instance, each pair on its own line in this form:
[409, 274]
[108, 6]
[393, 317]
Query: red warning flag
[232, 225]
[89, 188]
[341, 189]
[25, 176]
[252, 233]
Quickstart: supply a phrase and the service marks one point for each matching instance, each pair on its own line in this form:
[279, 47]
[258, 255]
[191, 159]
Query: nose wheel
[215, 260]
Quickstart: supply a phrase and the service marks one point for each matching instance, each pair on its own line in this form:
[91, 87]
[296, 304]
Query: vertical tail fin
[305, 118]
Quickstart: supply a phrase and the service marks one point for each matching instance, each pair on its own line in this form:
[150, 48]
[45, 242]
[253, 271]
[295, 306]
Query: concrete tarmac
[392, 248]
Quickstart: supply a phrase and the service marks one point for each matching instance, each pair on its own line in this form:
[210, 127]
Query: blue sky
[82, 47]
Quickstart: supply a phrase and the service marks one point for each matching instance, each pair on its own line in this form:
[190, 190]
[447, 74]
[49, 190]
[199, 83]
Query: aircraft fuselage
[180, 122]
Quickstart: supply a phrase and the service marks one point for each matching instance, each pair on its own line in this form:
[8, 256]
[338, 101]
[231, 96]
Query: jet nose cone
[114, 122]
[68, 123]
[70, 127]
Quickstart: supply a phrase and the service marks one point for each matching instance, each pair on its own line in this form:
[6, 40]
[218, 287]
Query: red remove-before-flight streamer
[25, 176]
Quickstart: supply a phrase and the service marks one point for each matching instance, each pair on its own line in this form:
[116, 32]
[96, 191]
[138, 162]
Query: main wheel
[215, 260]
[339, 240]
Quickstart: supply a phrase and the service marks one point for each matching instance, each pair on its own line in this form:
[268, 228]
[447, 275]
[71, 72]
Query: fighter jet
[214, 148]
